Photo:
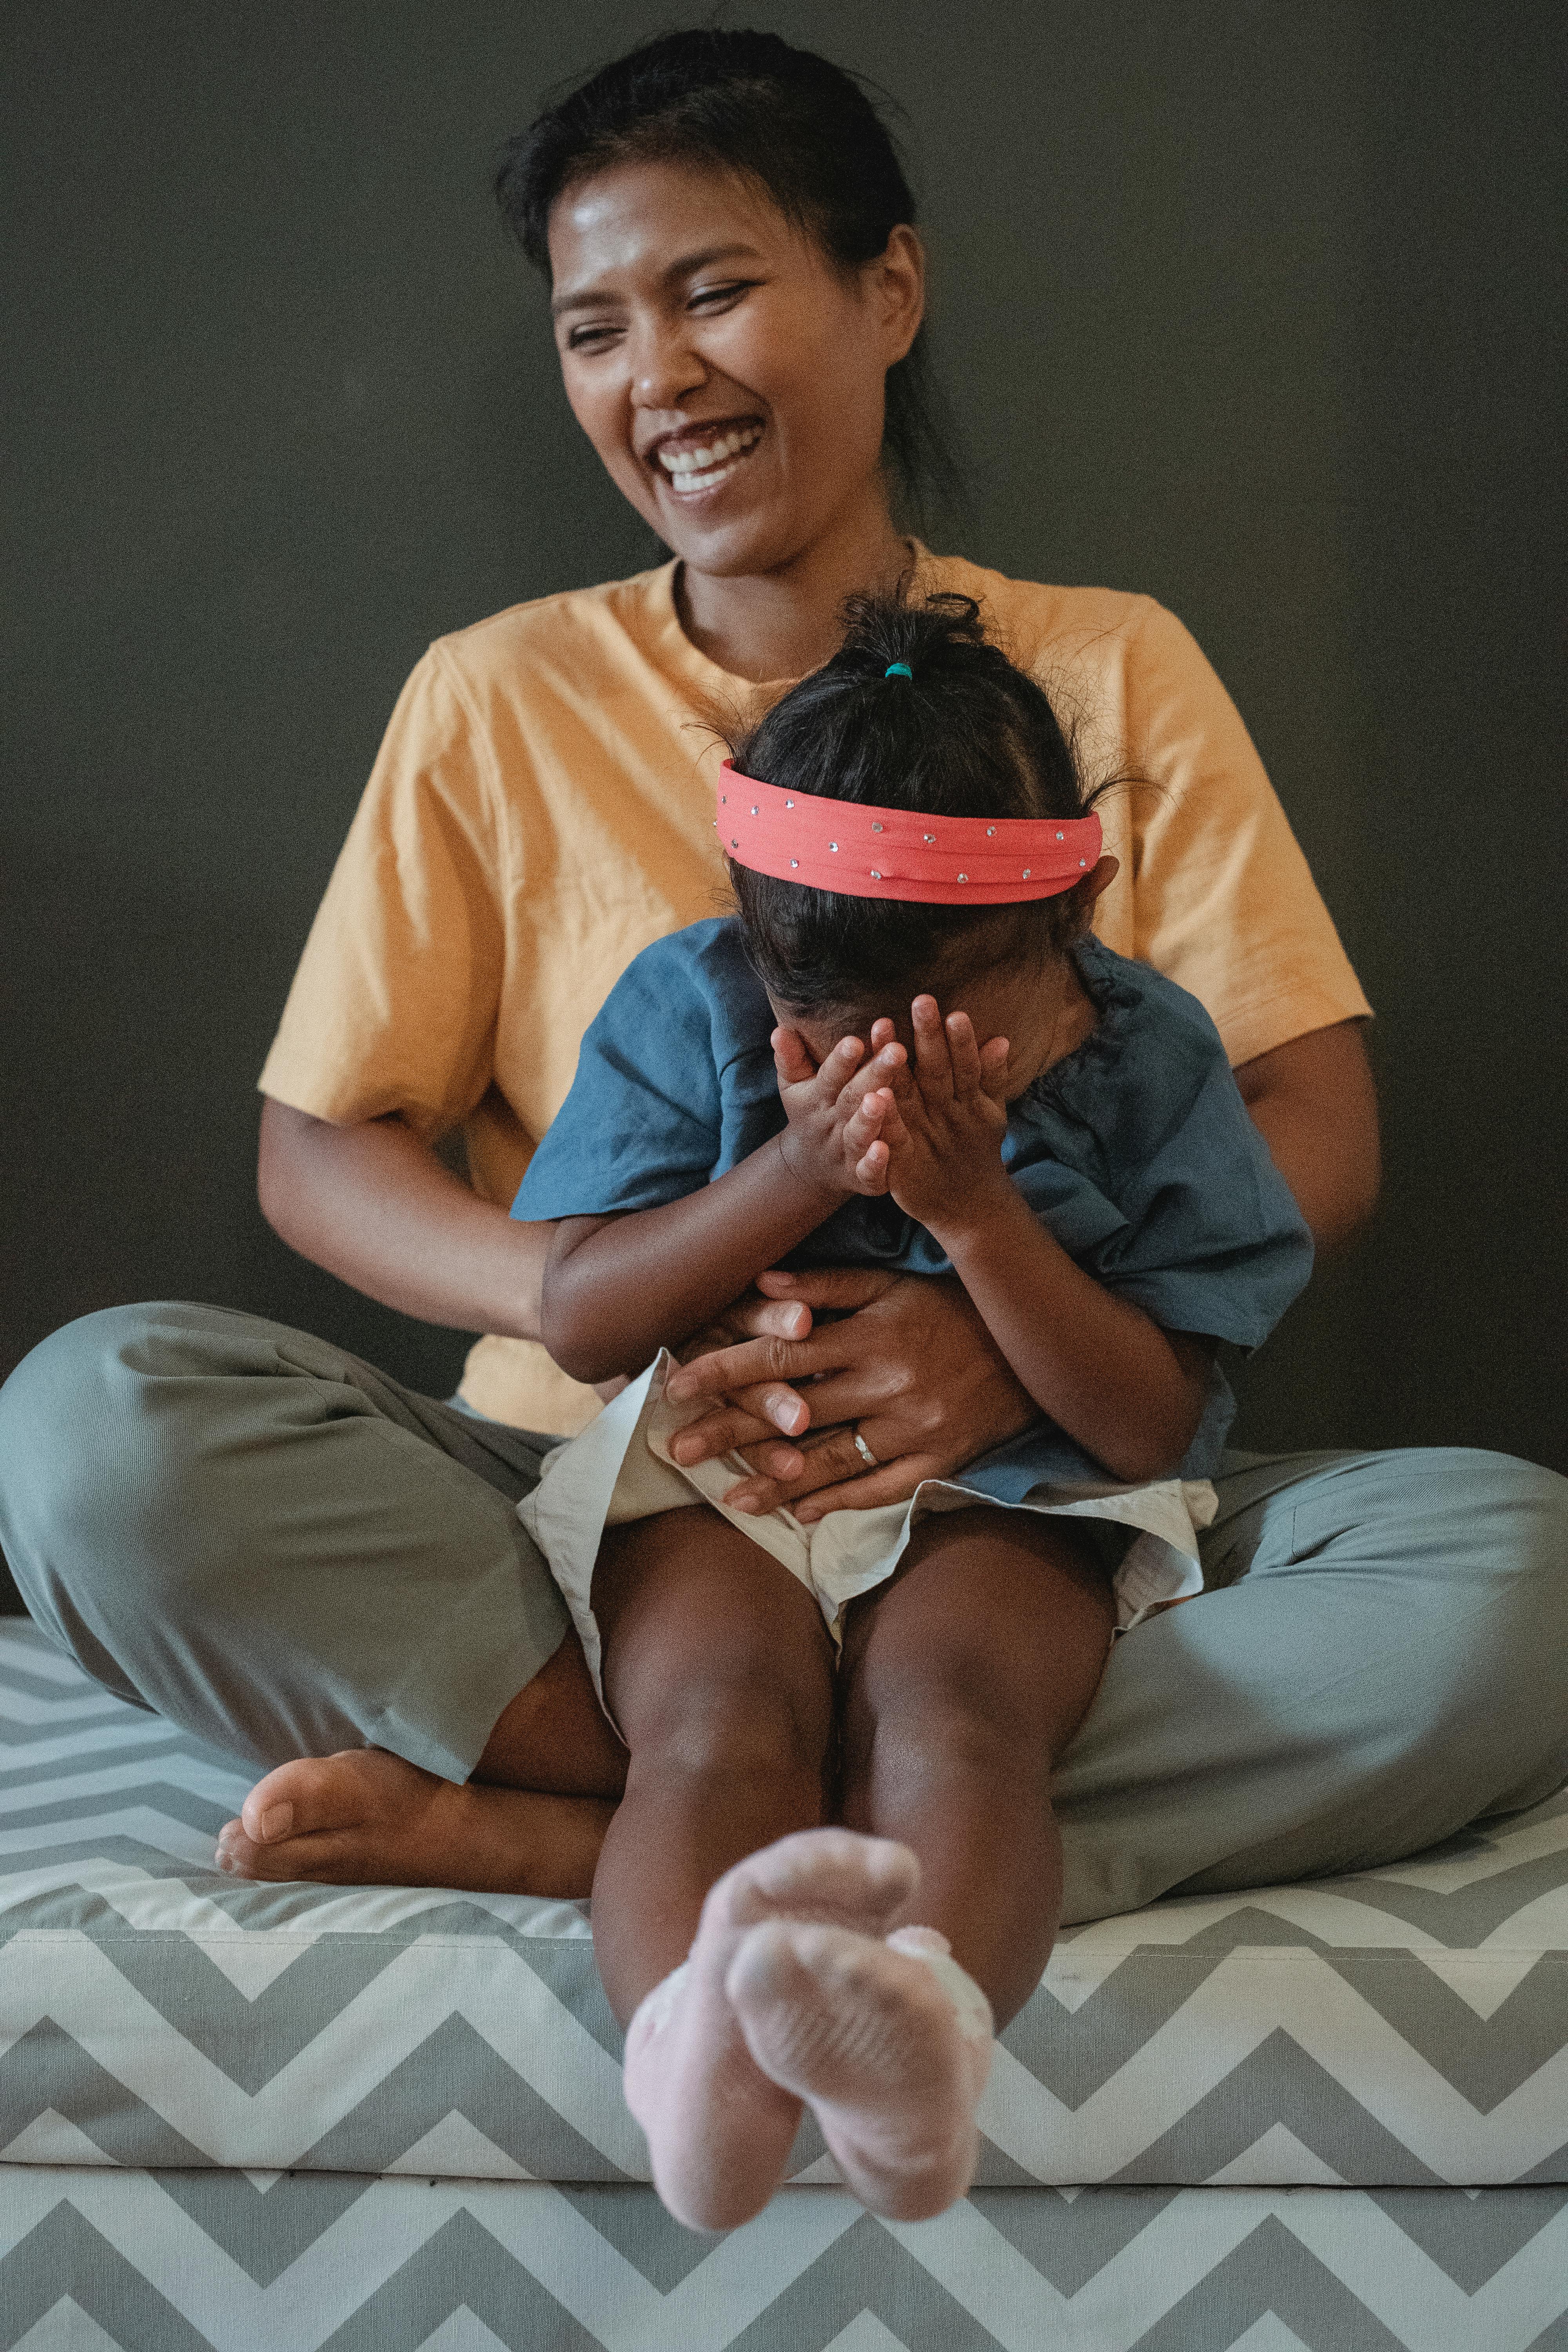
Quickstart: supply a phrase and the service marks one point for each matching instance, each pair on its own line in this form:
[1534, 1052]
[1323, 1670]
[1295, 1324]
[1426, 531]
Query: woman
[284, 1551]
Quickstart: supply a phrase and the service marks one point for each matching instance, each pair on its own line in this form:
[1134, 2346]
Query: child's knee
[733, 1728]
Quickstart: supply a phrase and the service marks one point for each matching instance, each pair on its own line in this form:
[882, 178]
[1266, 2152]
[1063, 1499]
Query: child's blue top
[1135, 1149]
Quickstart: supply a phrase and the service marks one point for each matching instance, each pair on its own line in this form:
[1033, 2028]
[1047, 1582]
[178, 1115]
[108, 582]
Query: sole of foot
[871, 2039]
[720, 2129]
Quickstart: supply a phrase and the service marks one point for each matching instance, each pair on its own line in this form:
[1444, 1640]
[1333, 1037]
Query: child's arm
[617, 1289]
[1131, 1393]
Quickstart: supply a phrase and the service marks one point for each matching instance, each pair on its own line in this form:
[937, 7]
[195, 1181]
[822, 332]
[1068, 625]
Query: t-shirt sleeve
[1223, 900]
[642, 1123]
[1211, 1240]
[393, 1006]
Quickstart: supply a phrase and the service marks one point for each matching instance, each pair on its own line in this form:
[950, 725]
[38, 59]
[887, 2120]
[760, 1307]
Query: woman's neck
[781, 623]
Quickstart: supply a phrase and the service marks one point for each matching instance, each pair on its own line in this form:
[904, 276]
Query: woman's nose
[665, 368]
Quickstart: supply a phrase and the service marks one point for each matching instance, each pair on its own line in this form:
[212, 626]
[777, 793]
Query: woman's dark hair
[966, 734]
[803, 128]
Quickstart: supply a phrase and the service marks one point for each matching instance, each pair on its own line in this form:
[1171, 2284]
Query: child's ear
[1084, 893]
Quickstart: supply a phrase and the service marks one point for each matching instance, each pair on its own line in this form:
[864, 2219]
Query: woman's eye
[713, 298]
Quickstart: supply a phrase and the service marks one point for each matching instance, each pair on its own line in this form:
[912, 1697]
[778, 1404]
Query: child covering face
[836, 1862]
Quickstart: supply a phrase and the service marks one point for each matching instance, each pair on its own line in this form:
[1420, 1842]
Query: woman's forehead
[661, 219]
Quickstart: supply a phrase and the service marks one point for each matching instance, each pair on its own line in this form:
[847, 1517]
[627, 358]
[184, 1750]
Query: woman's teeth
[698, 467]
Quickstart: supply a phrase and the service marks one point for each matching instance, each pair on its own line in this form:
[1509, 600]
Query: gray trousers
[272, 1544]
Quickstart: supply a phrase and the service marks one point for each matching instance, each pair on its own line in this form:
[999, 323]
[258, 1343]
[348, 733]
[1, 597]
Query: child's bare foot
[367, 1818]
[891, 2055]
[719, 2131]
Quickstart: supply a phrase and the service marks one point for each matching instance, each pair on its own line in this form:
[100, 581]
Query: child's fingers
[963, 1053]
[993, 1068]
[894, 1133]
[933, 1063]
[877, 1073]
[840, 1065]
[882, 1034]
[791, 1059]
[900, 1081]
[871, 1169]
[865, 1120]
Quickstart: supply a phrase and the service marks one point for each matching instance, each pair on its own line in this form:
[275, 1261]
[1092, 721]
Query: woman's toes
[241, 1857]
[296, 1817]
[314, 1792]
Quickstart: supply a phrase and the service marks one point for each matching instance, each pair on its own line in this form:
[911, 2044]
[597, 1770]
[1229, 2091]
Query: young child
[907, 1050]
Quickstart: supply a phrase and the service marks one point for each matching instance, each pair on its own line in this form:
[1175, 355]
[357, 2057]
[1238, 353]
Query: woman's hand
[909, 1364]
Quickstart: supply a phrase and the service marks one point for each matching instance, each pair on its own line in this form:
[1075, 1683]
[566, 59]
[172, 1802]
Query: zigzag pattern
[130, 2259]
[1404, 2027]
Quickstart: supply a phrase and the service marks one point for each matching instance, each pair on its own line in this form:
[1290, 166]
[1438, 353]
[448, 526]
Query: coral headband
[883, 852]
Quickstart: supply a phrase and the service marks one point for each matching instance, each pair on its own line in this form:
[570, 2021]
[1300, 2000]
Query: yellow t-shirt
[541, 809]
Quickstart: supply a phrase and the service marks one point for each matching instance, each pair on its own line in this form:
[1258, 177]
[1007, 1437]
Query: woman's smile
[694, 461]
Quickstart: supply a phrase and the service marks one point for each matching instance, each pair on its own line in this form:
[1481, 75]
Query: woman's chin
[728, 546]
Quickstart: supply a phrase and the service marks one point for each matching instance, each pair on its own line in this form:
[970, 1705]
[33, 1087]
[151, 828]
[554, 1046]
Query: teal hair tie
[899, 670]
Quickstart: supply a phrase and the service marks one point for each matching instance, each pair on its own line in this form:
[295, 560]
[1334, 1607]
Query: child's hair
[966, 734]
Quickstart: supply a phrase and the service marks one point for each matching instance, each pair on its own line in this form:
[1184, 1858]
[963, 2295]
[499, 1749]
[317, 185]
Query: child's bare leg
[718, 1668]
[963, 1678]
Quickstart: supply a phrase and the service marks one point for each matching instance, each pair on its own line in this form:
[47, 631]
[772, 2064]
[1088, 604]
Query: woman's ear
[898, 276]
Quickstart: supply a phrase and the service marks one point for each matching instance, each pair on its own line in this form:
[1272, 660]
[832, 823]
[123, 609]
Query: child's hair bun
[885, 636]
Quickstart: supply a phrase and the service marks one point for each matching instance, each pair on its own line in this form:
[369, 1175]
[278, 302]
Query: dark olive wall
[1245, 305]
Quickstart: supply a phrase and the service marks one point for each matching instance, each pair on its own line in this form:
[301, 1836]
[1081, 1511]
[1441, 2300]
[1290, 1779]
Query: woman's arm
[1313, 1102]
[375, 1206]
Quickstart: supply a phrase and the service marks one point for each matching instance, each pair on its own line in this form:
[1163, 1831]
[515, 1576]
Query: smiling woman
[274, 1544]
[734, 390]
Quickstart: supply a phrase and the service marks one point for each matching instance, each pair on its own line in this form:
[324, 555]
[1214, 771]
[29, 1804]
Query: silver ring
[864, 1451]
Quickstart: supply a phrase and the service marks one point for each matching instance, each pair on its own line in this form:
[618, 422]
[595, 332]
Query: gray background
[1247, 306]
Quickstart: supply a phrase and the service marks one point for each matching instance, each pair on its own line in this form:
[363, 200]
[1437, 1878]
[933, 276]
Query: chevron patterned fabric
[1334, 2114]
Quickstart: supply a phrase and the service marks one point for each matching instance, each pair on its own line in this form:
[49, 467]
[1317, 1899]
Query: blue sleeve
[643, 1122]
[1211, 1242]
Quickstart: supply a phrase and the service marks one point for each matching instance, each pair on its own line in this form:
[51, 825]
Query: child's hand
[833, 1140]
[943, 1133]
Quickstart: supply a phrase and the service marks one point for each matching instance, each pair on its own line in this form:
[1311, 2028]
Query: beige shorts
[619, 1469]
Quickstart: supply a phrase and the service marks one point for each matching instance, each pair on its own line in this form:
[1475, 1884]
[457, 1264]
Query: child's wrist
[811, 1183]
[985, 1218]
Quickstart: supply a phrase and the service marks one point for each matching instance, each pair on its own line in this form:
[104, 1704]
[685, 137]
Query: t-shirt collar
[677, 657]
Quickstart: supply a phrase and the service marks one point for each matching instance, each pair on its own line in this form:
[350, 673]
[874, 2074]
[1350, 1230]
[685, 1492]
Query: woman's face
[728, 374]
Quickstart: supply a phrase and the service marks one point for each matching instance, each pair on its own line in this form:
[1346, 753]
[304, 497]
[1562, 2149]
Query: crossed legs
[743, 1944]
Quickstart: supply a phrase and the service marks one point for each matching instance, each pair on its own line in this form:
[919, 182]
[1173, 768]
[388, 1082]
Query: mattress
[227, 2098]
[208, 2261]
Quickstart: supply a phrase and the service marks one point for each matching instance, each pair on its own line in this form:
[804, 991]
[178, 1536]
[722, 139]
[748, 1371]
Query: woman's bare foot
[719, 2130]
[367, 1818]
